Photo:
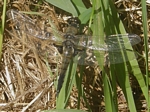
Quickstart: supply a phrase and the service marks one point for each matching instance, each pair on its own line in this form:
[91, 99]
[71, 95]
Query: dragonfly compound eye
[74, 21]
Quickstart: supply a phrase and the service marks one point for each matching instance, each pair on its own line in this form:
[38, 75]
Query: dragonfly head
[73, 25]
[74, 21]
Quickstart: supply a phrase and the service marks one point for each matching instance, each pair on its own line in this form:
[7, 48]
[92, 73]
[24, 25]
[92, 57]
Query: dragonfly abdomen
[65, 62]
[68, 53]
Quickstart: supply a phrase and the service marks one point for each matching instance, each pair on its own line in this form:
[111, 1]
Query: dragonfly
[72, 44]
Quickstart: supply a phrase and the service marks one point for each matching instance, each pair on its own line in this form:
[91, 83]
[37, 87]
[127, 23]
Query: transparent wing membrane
[111, 44]
[29, 26]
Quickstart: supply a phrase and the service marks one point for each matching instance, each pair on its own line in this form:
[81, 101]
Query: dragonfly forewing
[29, 26]
[111, 43]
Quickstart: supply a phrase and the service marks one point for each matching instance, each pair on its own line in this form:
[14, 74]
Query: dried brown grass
[25, 74]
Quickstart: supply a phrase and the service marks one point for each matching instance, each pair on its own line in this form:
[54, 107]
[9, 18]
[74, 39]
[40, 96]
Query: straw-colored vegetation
[30, 66]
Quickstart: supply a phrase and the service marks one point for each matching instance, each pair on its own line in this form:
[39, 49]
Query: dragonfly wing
[123, 39]
[112, 43]
[24, 23]
[29, 26]
[114, 48]
[84, 58]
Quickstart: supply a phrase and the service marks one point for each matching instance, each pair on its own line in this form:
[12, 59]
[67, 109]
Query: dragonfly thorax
[69, 40]
[68, 48]
[72, 30]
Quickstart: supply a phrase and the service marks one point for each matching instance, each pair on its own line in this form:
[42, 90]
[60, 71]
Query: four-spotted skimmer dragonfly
[73, 44]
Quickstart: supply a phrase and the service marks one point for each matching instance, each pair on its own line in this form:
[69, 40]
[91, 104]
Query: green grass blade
[85, 16]
[98, 29]
[80, 7]
[2, 26]
[79, 85]
[66, 5]
[109, 90]
[145, 29]
[67, 86]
